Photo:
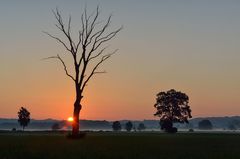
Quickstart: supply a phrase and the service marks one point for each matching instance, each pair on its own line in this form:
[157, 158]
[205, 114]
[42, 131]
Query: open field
[106, 145]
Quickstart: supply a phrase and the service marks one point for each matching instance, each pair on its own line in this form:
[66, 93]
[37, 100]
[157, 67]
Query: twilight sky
[189, 45]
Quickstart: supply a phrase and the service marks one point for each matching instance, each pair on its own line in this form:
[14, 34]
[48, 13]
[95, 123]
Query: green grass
[120, 146]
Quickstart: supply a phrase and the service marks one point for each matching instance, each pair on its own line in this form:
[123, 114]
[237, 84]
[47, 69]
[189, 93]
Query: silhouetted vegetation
[116, 126]
[172, 106]
[219, 123]
[205, 125]
[56, 126]
[87, 52]
[129, 126]
[167, 125]
[141, 127]
[23, 117]
[14, 129]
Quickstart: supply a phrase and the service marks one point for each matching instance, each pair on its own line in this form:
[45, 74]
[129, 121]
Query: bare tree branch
[97, 55]
[92, 26]
[61, 26]
[104, 58]
[69, 25]
[102, 40]
[79, 40]
[64, 66]
[59, 40]
[107, 38]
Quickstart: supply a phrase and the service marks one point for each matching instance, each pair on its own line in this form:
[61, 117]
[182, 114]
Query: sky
[189, 45]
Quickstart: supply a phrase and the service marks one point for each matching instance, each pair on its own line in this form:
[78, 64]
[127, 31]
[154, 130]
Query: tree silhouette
[141, 127]
[205, 124]
[87, 52]
[23, 117]
[56, 126]
[172, 106]
[129, 126]
[116, 126]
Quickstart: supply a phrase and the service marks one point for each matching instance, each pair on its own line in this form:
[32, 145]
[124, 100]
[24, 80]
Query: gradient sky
[189, 45]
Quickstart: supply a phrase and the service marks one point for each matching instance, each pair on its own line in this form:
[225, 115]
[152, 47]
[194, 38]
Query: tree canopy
[129, 126]
[116, 126]
[172, 106]
[23, 117]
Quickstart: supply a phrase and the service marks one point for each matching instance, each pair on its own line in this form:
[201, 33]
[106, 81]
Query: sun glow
[70, 119]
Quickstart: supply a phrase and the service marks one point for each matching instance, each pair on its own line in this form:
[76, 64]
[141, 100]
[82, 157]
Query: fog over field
[219, 124]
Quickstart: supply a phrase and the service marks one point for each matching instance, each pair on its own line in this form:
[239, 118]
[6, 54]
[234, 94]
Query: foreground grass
[120, 146]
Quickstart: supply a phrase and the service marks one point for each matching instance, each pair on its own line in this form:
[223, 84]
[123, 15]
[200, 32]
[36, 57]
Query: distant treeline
[217, 123]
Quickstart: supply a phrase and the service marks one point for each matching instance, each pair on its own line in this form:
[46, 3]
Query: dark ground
[109, 145]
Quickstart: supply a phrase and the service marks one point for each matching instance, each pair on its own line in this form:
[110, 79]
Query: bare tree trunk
[77, 109]
[76, 113]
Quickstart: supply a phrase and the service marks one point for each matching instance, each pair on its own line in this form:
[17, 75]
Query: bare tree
[87, 52]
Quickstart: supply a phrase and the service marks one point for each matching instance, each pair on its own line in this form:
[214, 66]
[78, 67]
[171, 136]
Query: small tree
[116, 126]
[172, 106]
[141, 127]
[129, 126]
[205, 125]
[23, 117]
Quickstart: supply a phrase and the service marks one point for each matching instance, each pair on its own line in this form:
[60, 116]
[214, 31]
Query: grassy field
[120, 146]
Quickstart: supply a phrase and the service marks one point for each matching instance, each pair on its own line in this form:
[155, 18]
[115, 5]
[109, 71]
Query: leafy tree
[172, 106]
[87, 52]
[23, 117]
[129, 126]
[116, 126]
[205, 124]
[141, 127]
